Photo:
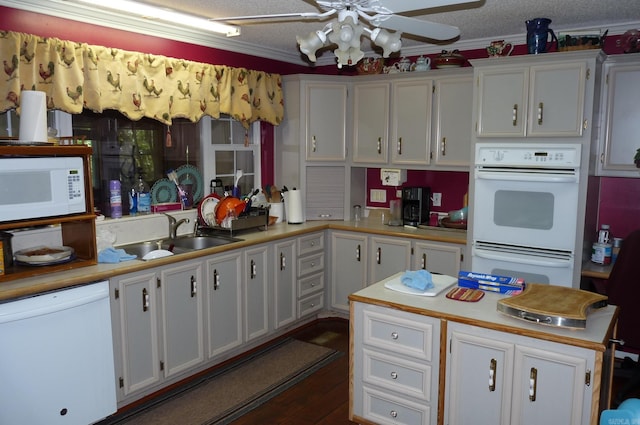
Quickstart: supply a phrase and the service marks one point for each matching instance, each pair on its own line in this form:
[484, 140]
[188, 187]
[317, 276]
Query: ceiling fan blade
[416, 26]
[304, 15]
[399, 6]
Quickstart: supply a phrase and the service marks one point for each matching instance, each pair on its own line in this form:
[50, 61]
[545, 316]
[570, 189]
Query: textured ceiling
[479, 22]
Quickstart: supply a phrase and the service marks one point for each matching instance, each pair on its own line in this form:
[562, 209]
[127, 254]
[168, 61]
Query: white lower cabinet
[256, 292]
[502, 378]
[284, 282]
[388, 256]
[348, 267]
[395, 366]
[311, 264]
[158, 326]
[438, 257]
[224, 302]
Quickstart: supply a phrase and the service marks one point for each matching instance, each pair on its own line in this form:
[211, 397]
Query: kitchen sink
[201, 242]
[177, 246]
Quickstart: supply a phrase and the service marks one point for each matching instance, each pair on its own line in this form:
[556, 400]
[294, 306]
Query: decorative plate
[44, 255]
[188, 174]
[163, 191]
[207, 209]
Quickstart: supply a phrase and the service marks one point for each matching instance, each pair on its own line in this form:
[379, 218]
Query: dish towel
[112, 255]
[419, 279]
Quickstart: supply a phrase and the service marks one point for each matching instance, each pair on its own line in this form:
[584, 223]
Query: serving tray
[552, 305]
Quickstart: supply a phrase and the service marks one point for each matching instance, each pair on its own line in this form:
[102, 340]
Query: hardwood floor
[322, 398]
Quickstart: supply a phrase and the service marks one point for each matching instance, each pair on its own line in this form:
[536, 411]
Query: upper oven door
[535, 208]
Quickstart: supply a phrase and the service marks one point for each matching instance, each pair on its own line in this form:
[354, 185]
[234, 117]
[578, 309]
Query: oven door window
[523, 209]
[526, 213]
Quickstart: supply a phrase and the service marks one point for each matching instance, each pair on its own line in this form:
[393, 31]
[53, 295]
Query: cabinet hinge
[461, 257]
[433, 89]
[158, 282]
[588, 73]
[587, 378]
[606, 80]
[431, 155]
[121, 382]
[411, 250]
[116, 293]
[161, 365]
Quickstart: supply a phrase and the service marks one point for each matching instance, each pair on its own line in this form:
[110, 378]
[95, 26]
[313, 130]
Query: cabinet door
[556, 107]
[224, 302]
[326, 113]
[502, 101]
[411, 122]
[453, 121]
[621, 125]
[437, 257]
[479, 378]
[182, 322]
[549, 387]
[256, 292]
[371, 122]
[285, 282]
[138, 330]
[348, 267]
[388, 256]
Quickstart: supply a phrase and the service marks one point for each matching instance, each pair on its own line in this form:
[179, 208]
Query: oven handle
[522, 260]
[526, 177]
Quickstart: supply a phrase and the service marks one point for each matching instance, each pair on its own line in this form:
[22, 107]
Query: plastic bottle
[133, 201]
[602, 249]
[143, 195]
[115, 199]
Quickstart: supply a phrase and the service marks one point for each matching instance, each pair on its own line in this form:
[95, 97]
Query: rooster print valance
[76, 76]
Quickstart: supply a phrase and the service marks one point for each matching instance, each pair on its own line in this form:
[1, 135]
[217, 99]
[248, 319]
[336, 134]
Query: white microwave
[41, 187]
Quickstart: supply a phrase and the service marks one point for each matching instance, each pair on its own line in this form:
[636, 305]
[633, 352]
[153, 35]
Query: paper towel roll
[293, 206]
[33, 117]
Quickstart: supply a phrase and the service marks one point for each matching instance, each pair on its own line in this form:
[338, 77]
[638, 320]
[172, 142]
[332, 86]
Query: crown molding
[111, 19]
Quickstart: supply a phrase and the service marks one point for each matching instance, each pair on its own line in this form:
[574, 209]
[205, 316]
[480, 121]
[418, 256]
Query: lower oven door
[533, 265]
[534, 208]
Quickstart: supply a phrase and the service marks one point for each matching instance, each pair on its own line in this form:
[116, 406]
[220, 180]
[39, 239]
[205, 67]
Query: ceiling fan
[347, 30]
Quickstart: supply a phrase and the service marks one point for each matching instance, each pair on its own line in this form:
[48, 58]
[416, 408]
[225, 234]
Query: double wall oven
[525, 211]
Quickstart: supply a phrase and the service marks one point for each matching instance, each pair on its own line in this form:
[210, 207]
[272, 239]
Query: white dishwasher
[56, 358]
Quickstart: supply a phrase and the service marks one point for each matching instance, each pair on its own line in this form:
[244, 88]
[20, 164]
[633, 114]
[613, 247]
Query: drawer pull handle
[358, 253]
[514, 120]
[253, 270]
[424, 262]
[379, 256]
[145, 299]
[216, 280]
[194, 286]
[379, 146]
[282, 261]
[394, 335]
[492, 375]
[394, 375]
[533, 384]
[540, 112]
[393, 414]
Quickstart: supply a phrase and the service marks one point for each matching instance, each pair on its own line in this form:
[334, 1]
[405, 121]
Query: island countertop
[52, 281]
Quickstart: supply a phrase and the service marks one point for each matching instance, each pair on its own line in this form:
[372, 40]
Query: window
[124, 149]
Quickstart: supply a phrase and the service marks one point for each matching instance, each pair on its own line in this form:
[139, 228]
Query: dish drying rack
[255, 218]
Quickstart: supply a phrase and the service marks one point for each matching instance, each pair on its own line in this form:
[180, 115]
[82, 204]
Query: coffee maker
[415, 205]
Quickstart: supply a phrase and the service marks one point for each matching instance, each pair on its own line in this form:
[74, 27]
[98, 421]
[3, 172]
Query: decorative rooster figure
[74, 95]
[115, 82]
[46, 75]
[11, 69]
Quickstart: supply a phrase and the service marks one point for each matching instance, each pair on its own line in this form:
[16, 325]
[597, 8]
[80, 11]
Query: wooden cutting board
[552, 305]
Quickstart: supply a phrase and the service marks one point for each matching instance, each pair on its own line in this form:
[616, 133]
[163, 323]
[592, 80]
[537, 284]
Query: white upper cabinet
[544, 97]
[371, 122]
[326, 114]
[411, 122]
[620, 125]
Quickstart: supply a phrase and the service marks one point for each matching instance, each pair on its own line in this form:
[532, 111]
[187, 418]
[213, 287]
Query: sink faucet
[174, 224]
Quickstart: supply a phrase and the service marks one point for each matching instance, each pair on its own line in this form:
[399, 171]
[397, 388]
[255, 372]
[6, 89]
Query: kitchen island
[427, 360]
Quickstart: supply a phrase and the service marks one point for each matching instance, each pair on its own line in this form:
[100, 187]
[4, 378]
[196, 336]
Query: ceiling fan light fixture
[349, 57]
[389, 42]
[310, 44]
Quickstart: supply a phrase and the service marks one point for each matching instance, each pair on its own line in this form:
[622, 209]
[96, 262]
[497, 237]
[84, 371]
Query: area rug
[225, 395]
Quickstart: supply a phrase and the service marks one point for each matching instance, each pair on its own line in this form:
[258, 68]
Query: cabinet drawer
[310, 243]
[386, 409]
[311, 264]
[310, 284]
[311, 304]
[400, 375]
[398, 332]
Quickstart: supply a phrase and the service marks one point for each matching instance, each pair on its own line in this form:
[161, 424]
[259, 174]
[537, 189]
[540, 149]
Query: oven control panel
[528, 155]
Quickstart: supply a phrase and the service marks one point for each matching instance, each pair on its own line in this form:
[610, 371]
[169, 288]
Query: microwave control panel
[75, 184]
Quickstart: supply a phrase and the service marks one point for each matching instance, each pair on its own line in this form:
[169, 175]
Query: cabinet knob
[394, 375]
[393, 414]
[394, 335]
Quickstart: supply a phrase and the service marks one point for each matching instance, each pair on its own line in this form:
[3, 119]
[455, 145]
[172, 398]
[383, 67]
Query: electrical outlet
[436, 199]
[399, 193]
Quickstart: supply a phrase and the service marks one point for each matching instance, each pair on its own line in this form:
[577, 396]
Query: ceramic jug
[538, 32]
[421, 64]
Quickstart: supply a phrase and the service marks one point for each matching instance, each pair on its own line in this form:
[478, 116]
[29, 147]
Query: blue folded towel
[419, 279]
[112, 255]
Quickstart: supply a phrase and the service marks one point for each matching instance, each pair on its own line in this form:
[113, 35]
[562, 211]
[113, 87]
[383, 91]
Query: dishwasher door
[56, 358]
